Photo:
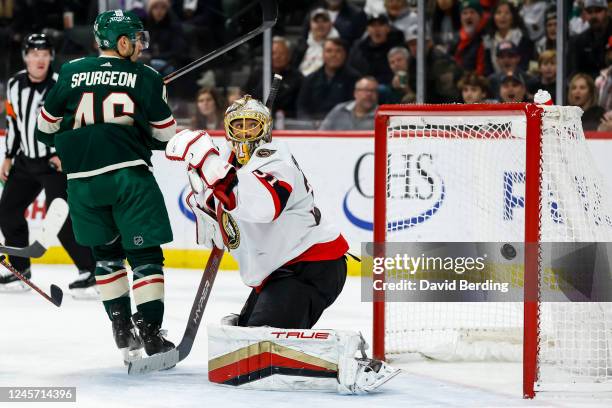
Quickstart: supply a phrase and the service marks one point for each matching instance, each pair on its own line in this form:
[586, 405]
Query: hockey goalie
[251, 197]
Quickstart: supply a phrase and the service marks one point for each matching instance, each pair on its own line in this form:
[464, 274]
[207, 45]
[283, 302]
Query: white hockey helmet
[245, 139]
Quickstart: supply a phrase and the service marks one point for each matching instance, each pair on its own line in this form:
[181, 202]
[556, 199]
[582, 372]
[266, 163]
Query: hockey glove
[197, 149]
[208, 232]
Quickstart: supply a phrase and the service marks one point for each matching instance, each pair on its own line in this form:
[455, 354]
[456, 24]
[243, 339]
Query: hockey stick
[270, 13]
[52, 224]
[171, 358]
[56, 293]
[276, 81]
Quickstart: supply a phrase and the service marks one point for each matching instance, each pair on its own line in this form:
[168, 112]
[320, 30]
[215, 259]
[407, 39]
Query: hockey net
[461, 173]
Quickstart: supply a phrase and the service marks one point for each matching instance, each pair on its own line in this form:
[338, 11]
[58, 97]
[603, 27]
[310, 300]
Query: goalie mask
[248, 125]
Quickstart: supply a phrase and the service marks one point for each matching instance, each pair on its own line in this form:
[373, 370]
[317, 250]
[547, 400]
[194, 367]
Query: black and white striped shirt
[25, 99]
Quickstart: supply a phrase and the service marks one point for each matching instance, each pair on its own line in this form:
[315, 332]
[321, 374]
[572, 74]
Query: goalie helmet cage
[543, 148]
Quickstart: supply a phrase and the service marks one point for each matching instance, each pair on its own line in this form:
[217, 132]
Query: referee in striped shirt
[30, 167]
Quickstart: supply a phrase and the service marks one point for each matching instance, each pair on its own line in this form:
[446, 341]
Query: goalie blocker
[267, 358]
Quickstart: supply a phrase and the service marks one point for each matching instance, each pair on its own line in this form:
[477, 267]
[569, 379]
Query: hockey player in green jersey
[104, 115]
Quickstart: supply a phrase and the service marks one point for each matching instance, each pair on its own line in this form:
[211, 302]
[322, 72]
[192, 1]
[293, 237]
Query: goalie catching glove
[197, 149]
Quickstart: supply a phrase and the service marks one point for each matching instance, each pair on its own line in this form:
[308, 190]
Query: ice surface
[41, 345]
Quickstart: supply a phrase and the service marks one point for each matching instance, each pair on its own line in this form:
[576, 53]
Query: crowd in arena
[341, 58]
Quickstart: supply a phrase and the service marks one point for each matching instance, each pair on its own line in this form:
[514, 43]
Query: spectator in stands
[446, 23]
[167, 46]
[308, 54]
[292, 79]
[349, 20]
[603, 83]
[513, 88]
[233, 94]
[549, 40]
[579, 22]
[547, 75]
[474, 88]
[469, 51]
[533, 13]
[210, 109]
[357, 114]
[40, 16]
[399, 90]
[508, 60]
[442, 71]
[399, 14]
[202, 21]
[329, 85]
[582, 93]
[588, 49]
[606, 123]
[369, 55]
[506, 25]
[9, 40]
[374, 7]
[2, 100]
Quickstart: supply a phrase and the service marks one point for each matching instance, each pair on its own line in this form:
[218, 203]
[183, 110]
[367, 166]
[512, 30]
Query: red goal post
[532, 115]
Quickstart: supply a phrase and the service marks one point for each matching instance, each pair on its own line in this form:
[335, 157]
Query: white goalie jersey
[268, 216]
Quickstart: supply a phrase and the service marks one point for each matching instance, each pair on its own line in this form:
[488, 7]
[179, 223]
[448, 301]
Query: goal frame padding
[533, 177]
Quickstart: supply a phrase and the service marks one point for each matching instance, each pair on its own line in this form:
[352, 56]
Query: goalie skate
[371, 374]
[363, 374]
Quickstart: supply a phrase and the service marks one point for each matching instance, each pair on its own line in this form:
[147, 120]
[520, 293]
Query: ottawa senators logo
[230, 231]
[263, 153]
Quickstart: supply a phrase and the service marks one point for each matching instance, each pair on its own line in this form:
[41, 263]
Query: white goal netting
[457, 177]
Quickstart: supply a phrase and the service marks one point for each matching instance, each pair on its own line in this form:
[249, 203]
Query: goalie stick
[170, 358]
[269, 10]
[56, 293]
[52, 224]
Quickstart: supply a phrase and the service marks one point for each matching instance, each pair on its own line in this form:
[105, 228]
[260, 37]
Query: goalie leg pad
[267, 358]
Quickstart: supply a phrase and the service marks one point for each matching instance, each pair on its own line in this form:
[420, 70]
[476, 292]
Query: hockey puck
[508, 251]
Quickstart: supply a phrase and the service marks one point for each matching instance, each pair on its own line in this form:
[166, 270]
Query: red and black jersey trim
[224, 190]
[279, 190]
[210, 203]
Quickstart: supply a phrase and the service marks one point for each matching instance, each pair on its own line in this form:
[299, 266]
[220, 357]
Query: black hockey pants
[295, 296]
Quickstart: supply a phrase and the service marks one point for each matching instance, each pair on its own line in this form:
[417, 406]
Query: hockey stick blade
[156, 362]
[52, 224]
[269, 12]
[56, 293]
[36, 250]
[171, 358]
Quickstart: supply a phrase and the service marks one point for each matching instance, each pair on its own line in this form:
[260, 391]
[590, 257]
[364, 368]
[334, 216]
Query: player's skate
[126, 337]
[84, 287]
[152, 336]
[11, 283]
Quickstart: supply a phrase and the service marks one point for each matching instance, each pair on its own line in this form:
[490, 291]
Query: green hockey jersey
[105, 113]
